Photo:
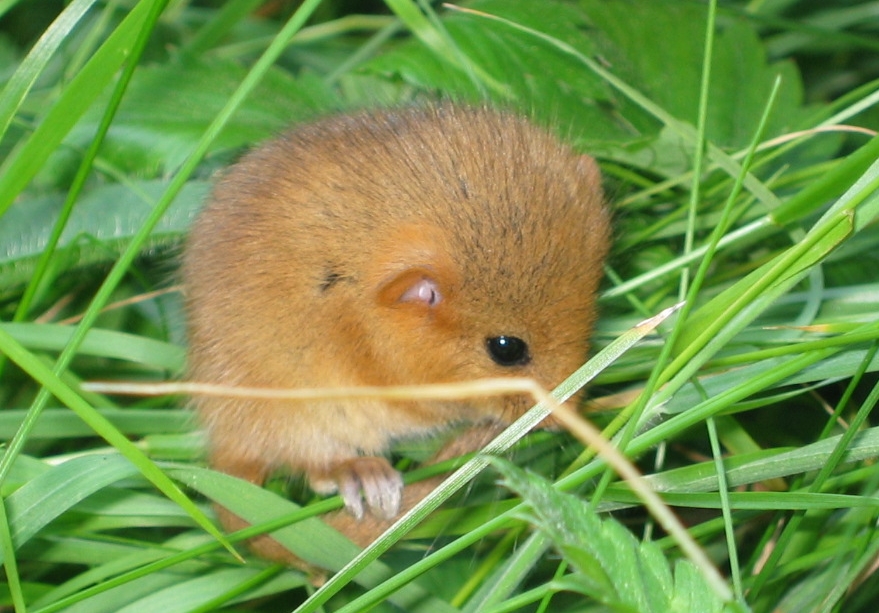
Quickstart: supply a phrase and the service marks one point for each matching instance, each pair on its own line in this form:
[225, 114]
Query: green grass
[748, 190]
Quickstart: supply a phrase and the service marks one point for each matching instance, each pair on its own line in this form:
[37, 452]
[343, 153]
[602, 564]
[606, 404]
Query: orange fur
[385, 248]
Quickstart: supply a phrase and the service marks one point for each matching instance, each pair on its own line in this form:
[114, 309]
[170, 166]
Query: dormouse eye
[507, 350]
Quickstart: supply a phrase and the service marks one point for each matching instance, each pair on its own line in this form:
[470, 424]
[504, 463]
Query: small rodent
[419, 245]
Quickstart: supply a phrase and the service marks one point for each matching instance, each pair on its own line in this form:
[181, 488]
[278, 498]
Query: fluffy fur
[385, 248]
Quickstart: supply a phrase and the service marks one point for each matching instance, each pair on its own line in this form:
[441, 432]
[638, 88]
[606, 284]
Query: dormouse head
[432, 324]
[482, 243]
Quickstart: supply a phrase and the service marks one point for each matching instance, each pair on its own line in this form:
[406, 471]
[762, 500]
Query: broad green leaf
[519, 62]
[55, 386]
[670, 73]
[102, 343]
[168, 107]
[748, 469]
[626, 575]
[56, 424]
[46, 497]
[195, 591]
[30, 155]
[588, 111]
[310, 539]
[100, 227]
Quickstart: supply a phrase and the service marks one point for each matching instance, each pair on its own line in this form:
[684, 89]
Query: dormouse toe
[373, 480]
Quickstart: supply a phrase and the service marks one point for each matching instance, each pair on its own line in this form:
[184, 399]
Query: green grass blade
[33, 65]
[30, 156]
[463, 475]
[16, 352]
[101, 426]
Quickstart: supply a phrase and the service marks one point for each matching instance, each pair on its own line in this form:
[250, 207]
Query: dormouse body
[418, 245]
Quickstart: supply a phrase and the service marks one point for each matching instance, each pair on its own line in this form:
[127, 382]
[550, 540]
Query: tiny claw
[349, 490]
[371, 480]
[383, 494]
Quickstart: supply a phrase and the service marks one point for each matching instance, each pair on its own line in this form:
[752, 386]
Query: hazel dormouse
[430, 244]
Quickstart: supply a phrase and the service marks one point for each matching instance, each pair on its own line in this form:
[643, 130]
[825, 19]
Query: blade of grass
[41, 274]
[725, 315]
[726, 510]
[432, 35]
[102, 343]
[43, 498]
[119, 270]
[145, 565]
[459, 479]
[695, 187]
[101, 426]
[683, 129]
[10, 564]
[864, 562]
[829, 185]
[632, 415]
[824, 473]
[775, 372]
[227, 17]
[32, 66]
[163, 483]
[756, 467]
[30, 156]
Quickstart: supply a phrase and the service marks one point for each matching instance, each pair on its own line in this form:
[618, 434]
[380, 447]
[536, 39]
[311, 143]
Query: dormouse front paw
[371, 480]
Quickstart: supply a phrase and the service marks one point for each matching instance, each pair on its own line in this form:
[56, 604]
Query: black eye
[508, 350]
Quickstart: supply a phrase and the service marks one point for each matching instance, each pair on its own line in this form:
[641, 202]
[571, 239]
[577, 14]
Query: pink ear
[424, 291]
[415, 286]
[411, 268]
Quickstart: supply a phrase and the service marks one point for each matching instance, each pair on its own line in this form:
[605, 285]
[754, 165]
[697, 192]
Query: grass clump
[739, 152]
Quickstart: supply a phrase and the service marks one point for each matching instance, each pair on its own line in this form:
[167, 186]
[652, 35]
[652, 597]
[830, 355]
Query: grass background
[748, 190]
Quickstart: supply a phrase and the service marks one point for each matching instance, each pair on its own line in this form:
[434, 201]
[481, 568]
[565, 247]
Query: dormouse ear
[424, 291]
[416, 286]
[411, 267]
